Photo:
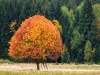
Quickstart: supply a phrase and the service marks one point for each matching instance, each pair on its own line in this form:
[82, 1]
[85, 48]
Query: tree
[85, 23]
[76, 42]
[76, 19]
[65, 58]
[96, 56]
[25, 11]
[66, 25]
[77, 38]
[86, 18]
[71, 4]
[87, 51]
[96, 12]
[52, 10]
[38, 39]
[4, 31]
[80, 56]
[58, 10]
[95, 1]
[11, 7]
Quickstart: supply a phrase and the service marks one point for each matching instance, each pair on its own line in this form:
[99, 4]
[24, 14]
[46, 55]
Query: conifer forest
[78, 23]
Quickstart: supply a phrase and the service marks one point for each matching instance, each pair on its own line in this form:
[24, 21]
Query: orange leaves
[37, 38]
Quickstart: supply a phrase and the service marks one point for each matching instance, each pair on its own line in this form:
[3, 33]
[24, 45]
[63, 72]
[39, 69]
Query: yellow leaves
[57, 24]
[93, 51]
[12, 25]
[36, 38]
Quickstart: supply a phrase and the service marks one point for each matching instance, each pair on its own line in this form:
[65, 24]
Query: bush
[5, 61]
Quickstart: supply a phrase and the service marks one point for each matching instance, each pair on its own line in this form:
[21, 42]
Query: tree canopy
[37, 38]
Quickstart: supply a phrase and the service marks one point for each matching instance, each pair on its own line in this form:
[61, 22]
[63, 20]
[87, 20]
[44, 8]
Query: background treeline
[80, 21]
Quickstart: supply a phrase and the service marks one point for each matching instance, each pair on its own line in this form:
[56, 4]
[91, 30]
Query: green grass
[5, 61]
[45, 73]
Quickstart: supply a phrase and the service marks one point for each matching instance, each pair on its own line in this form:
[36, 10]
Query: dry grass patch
[65, 69]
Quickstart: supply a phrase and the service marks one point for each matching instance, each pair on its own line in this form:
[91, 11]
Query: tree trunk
[38, 67]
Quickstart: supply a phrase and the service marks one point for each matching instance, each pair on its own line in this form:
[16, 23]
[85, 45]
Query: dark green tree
[46, 9]
[58, 10]
[80, 56]
[96, 56]
[85, 23]
[93, 35]
[71, 4]
[11, 7]
[52, 10]
[95, 1]
[4, 31]
[76, 20]
[25, 11]
[86, 18]
[78, 2]
[66, 25]
[75, 42]
[65, 58]
[67, 29]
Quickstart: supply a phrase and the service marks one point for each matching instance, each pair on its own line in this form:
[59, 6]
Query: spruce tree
[52, 10]
[58, 10]
[87, 51]
[25, 11]
[96, 56]
[85, 23]
[75, 42]
[71, 4]
[66, 25]
[4, 31]
[86, 18]
[76, 38]
[11, 7]
[65, 58]
[80, 55]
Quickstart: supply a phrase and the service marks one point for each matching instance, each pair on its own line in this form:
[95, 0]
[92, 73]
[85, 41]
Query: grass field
[65, 69]
[46, 73]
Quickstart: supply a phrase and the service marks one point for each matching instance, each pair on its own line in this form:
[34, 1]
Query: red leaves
[37, 38]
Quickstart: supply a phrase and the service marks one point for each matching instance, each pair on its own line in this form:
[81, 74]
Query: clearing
[26, 67]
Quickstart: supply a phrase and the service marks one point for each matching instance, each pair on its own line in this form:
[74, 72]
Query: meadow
[53, 69]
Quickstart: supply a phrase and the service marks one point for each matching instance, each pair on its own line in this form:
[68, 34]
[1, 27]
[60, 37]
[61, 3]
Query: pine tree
[11, 7]
[87, 51]
[85, 23]
[4, 31]
[25, 11]
[52, 10]
[86, 18]
[66, 25]
[58, 10]
[77, 38]
[96, 56]
[76, 20]
[75, 42]
[71, 4]
[80, 56]
[65, 58]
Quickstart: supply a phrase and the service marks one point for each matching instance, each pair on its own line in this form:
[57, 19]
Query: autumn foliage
[37, 38]
[57, 24]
